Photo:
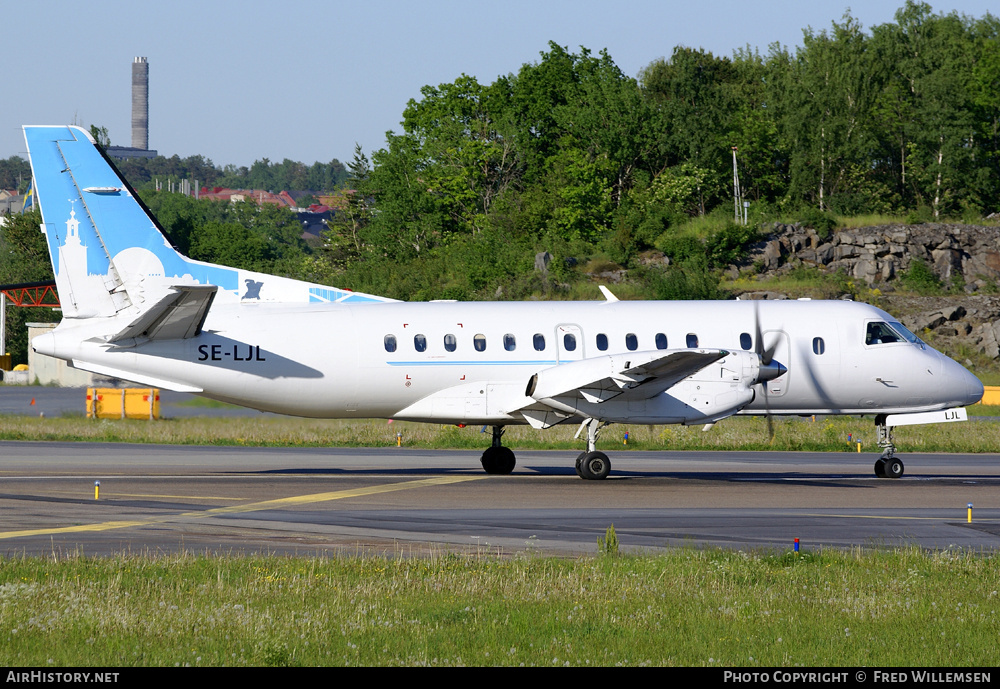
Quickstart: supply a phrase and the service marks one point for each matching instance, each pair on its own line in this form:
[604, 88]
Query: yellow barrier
[991, 395]
[123, 403]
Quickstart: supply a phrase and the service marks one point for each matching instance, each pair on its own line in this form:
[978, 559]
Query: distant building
[314, 221]
[140, 116]
[10, 201]
[123, 152]
[256, 195]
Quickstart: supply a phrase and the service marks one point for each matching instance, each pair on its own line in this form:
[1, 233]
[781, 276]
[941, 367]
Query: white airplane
[136, 309]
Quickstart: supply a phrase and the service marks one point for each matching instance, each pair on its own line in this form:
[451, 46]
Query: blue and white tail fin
[108, 253]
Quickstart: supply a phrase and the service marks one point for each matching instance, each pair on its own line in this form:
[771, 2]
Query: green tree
[24, 258]
[834, 85]
[343, 238]
[15, 173]
[230, 244]
[100, 135]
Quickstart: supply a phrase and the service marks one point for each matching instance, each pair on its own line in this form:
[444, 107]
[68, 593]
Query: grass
[736, 433]
[873, 220]
[685, 607]
[801, 281]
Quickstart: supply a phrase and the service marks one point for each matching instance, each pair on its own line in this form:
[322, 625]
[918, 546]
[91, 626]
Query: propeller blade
[768, 372]
[766, 354]
[758, 336]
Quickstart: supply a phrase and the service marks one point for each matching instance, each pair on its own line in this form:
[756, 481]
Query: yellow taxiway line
[295, 500]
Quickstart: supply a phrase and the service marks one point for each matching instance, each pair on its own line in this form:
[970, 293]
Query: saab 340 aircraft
[136, 309]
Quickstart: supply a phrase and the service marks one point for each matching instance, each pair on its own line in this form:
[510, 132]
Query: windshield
[905, 333]
[885, 333]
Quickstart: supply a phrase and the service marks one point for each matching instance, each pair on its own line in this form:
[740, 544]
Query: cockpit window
[905, 333]
[880, 333]
[886, 333]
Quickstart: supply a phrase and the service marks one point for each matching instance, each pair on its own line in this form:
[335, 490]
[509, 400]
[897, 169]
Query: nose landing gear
[888, 465]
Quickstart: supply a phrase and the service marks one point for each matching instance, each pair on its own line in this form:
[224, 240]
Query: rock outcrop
[965, 258]
[966, 255]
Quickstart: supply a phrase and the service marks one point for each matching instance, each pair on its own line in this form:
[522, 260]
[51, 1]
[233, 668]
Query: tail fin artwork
[111, 258]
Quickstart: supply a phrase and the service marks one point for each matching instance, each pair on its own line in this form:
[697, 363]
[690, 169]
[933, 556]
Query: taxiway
[162, 499]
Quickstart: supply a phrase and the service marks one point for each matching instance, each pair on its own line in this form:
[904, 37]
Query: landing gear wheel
[579, 464]
[893, 467]
[880, 467]
[594, 466]
[498, 460]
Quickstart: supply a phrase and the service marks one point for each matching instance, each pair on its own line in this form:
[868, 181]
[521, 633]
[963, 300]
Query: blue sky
[303, 79]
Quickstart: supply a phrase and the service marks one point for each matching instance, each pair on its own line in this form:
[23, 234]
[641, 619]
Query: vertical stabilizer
[86, 279]
[108, 253]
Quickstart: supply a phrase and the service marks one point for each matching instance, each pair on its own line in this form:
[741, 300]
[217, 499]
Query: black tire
[579, 464]
[498, 460]
[880, 467]
[893, 467]
[595, 466]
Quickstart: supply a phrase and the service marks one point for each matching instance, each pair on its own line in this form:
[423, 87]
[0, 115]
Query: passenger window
[569, 342]
[390, 343]
[602, 342]
[631, 342]
[509, 342]
[479, 342]
[818, 345]
[692, 340]
[450, 343]
[746, 342]
[661, 341]
[420, 343]
[539, 342]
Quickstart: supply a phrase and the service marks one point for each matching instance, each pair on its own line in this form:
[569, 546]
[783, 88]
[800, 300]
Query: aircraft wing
[177, 316]
[640, 375]
[553, 393]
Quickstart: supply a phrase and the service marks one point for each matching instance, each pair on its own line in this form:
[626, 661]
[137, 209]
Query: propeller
[769, 369]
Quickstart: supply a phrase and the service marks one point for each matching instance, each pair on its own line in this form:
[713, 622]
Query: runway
[163, 499]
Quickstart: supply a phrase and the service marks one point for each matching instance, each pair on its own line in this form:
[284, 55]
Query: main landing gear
[498, 459]
[888, 465]
[593, 465]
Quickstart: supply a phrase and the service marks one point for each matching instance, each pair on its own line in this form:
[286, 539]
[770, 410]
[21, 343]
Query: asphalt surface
[164, 499]
[49, 401]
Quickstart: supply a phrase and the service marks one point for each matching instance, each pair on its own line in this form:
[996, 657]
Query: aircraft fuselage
[379, 359]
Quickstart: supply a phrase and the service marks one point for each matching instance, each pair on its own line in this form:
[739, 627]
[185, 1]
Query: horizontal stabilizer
[140, 378]
[177, 316]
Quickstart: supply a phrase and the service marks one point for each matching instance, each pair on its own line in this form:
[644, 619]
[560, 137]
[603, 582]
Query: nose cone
[959, 384]
[975, 388]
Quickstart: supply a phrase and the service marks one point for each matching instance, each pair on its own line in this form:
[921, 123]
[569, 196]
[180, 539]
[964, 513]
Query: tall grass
[737, 433]
[684, 607]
